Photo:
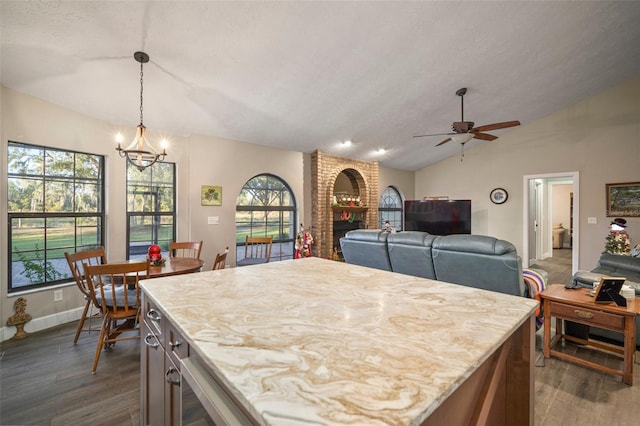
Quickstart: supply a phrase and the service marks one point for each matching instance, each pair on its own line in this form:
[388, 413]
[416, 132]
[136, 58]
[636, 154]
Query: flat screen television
[438, 217]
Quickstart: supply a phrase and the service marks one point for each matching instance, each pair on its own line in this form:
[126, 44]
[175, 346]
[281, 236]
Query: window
[55, 205]
[390, 208]
[266, 208]
[151, 212]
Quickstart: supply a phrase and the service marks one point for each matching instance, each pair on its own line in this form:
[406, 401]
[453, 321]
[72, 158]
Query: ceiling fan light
[462, 138]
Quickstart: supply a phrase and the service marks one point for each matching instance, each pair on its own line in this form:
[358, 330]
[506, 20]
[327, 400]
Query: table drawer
[588, 316]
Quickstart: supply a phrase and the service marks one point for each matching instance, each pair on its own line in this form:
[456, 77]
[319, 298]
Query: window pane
[25, 195]
[59, 163]
[88, 166]
[61, 233]
[87, 197]
[58, 196]
[88, 232]
[25, 160]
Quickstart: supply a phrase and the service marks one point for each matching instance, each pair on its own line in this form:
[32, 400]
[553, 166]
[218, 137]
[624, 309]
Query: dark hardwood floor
[46, 380]
[558, 267]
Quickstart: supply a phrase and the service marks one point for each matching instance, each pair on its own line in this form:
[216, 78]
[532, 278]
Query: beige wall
[561, 209]
[598, 137]
[199, 161]
[231, 164]
[402, 180]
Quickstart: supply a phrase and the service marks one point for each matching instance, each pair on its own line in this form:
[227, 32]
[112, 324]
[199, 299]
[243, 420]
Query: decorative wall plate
[499, 196]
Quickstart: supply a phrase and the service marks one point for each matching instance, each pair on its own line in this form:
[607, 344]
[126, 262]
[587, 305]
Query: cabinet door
[171, 393]
[152, 357]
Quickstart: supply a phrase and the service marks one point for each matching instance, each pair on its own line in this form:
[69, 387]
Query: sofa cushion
[479, 261]
[366, 247]
[612, 265]
[410, 253]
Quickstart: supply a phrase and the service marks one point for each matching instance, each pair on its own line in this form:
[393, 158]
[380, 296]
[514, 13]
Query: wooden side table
[576, 305]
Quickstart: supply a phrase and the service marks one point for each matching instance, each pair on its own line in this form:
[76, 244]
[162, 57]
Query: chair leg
[81, 323]
[101, 342]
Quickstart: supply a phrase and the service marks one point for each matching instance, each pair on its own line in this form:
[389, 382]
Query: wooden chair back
[221, 258]
[190, 249]
[256, 250]
[75, 261]
[115, 288]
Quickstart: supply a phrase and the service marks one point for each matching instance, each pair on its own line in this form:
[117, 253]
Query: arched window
[266, 208]
[390, 208]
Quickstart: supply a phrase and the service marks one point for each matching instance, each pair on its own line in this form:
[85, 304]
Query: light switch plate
[213, 220]
[592, 220]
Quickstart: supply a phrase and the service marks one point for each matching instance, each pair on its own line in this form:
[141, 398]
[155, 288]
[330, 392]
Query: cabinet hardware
[171, 371]
[148, 342]
[175, 345]
[154, 315]
[583, 314]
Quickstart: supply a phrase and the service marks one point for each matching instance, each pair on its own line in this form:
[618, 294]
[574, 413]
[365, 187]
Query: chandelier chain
[141, 89]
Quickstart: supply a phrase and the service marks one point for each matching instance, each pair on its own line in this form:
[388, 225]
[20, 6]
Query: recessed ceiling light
[381, 151]
[346, 143]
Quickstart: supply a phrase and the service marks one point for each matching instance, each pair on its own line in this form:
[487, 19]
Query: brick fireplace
[344, 196]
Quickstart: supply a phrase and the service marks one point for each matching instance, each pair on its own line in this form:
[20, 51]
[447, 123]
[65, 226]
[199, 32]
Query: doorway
[538, 218]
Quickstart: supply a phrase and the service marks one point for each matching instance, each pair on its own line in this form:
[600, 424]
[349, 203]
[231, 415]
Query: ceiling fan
[463, 131]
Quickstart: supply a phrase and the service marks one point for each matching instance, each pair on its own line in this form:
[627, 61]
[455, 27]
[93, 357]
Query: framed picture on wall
[211, 195]
[623, 199]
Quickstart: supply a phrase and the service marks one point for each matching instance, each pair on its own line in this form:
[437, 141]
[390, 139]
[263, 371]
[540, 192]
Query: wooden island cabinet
[315, 341]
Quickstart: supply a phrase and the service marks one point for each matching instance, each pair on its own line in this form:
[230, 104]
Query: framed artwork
[211, 195]
[498, 196]
[623, 199]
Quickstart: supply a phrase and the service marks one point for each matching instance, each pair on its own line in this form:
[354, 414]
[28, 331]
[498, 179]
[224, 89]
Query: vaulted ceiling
[307, 75]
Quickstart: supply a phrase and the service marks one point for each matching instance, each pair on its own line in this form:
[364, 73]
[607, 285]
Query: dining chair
[185, 249]
[221, 258]
[114, 288]
[256, 250]
[75, 261]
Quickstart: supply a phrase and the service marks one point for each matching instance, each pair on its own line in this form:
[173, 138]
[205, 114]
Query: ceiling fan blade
[444, 141]
[496, 126]
[434, 134]
[484, 136]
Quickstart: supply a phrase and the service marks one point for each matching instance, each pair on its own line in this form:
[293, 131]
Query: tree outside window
[151, 213]
[55, 205]
[266, 208]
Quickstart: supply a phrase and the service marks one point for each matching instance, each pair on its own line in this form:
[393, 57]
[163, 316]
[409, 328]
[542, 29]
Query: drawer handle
[168, 375]
[149, 343]
[583, 314]
[174, 345]
[154, 315]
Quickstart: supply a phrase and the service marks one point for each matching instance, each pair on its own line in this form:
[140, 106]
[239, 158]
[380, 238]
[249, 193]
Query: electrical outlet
[57, 295]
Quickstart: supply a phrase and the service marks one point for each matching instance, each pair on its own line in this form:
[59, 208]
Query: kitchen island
[313, 341]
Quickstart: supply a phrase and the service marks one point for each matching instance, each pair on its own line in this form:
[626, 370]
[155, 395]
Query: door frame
[526, 224]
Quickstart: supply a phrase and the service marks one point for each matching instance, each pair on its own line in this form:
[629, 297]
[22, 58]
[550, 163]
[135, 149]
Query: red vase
[155, 253]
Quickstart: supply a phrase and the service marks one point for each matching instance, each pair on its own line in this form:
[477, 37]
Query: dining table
[175, 266]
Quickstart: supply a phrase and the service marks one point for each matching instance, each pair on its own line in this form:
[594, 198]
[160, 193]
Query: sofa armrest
[585, 278]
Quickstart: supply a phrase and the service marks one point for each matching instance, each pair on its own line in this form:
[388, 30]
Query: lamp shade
[462, 138]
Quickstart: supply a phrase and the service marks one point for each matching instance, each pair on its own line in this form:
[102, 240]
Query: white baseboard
[42, 323]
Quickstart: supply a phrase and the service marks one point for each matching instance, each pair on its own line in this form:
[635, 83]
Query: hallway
[557, 267]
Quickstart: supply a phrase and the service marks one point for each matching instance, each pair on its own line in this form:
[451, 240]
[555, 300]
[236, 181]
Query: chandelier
[140, 153]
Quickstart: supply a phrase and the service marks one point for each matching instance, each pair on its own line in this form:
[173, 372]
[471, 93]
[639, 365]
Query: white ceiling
[306, 75]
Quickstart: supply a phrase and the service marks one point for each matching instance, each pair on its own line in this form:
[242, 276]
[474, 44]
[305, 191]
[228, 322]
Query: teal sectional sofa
[473, 260]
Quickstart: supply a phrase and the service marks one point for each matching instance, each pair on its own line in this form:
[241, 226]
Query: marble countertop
[322, 342]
